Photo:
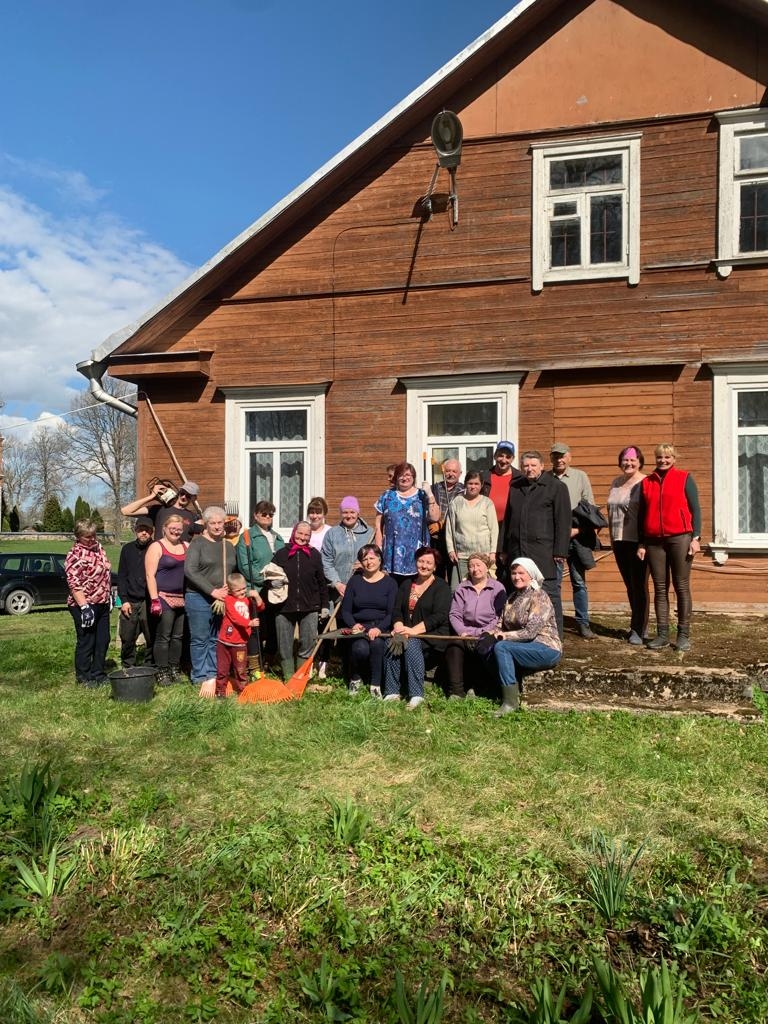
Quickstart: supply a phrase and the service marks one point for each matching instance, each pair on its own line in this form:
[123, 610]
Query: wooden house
[601, 280]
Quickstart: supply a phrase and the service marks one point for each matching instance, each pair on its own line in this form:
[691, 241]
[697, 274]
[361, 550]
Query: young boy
[231, 649]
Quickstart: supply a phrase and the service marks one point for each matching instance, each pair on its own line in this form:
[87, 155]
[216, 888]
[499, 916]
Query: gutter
[93, 371]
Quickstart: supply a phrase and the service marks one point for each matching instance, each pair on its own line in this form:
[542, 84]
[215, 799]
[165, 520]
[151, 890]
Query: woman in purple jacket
[475, 609]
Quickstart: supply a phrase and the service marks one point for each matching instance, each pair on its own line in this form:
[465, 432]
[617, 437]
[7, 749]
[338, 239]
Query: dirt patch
[717, 641]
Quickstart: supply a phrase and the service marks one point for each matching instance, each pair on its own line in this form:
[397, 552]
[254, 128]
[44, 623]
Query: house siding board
[361, 293]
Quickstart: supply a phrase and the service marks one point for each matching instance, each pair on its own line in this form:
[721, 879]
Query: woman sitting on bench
[527, 635]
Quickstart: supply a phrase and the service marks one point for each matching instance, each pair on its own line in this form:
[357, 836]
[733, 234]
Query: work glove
[155, 608]
[485, 645]
[87, 616]
[396, 645]
[325, 614]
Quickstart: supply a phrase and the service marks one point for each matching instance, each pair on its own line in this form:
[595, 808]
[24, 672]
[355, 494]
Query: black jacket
[537, 523]
[307, 589]
[432, 608]
[131, 576]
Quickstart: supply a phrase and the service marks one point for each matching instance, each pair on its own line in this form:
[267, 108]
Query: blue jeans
[579, 587]
[203, 627]
[513, 655]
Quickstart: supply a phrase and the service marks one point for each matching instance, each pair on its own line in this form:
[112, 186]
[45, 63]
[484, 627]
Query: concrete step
[671, 689]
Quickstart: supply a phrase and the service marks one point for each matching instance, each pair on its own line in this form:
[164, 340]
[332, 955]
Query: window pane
[565, 243]
[276, 425]
[753, 484]
[463, 419]
[753, 408]
[753, 153]
[260, 485]
[291, 488]
[564, 210]
[753, 225]
[605, 229]
[592, 170]
[479, 457]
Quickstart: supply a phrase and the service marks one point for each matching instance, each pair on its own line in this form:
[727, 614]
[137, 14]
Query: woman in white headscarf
[527, 636]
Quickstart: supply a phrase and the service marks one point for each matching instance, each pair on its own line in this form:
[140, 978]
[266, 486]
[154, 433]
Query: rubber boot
[683, 639]
[510, 700]
[254, 672]
[661, 640]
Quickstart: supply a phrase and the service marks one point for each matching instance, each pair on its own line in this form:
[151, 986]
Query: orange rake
[265, 691]
[297, 684]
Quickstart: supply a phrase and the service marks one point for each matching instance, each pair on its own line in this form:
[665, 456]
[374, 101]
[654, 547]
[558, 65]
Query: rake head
[265, 691]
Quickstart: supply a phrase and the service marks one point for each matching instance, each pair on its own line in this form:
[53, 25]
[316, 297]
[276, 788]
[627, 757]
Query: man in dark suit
[537, 524]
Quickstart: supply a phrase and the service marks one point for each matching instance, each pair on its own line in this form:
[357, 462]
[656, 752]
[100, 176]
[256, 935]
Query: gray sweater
[204, 564]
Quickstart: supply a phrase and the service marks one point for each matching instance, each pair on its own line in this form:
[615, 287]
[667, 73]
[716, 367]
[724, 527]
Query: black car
[33, 579]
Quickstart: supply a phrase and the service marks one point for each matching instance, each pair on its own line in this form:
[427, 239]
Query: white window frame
[734, 124]
[628, 145]
[729, 380]
[422, 392]
[239, 402]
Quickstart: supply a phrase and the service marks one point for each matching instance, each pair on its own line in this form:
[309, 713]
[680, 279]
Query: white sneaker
[354, 684]
[414, 702]
[375, 692]
[322, 667]
[392, 696]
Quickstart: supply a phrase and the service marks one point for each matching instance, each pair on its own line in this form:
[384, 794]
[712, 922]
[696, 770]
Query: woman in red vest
[670, 531]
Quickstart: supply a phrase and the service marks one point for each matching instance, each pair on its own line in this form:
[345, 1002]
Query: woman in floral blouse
[89, 580]
[527, 634]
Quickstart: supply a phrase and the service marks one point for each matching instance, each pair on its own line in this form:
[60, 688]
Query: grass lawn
[307, 862]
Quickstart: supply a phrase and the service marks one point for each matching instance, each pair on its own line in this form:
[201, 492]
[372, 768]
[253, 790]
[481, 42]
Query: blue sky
[136, 140]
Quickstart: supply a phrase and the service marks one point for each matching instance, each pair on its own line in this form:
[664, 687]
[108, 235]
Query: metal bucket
[135, 685]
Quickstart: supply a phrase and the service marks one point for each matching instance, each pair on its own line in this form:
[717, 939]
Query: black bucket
[136, 684]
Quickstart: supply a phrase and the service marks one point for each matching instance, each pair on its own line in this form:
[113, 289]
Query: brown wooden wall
[362, 292]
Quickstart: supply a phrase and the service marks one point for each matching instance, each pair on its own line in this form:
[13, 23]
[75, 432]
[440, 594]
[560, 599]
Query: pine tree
[52, 516]
[82, 509]
[14, 520]
[67, 520]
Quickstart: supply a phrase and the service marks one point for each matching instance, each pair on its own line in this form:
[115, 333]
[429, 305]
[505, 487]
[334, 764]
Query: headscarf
[532, 569]
[293, 546]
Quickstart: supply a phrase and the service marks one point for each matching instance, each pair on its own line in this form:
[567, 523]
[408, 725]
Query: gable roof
[420, 103]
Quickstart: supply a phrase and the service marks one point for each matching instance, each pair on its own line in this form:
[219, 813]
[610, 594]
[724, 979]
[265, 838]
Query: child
[231, 649]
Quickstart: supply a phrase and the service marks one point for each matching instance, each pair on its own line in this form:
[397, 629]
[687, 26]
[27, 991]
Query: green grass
[229, 859]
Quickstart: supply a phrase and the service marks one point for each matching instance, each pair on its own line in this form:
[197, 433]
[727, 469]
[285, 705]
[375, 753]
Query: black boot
[510, 700]
[683, 639]
[661, 640]
[163, 677]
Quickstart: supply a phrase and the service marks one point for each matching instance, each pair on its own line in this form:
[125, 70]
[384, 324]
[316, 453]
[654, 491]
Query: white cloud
[18, 428]
[66, 284]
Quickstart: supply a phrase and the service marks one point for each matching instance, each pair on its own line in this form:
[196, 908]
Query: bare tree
[100, 443]
[17, 469]
[47, 466]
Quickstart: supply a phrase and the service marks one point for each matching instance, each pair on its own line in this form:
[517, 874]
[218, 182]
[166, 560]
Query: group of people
[466, 573]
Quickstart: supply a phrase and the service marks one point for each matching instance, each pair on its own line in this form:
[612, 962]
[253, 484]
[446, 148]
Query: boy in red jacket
[231, 648]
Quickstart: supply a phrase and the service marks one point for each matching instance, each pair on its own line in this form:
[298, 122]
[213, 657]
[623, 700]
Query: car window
[10, 563]
[59, 559]
[41, 564]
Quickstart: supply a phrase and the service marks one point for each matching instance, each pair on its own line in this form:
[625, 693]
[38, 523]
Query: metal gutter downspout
[93, 371]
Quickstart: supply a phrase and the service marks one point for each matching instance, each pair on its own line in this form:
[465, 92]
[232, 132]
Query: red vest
[666, 507]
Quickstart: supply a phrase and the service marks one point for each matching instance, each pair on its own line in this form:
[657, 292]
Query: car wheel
[18, 602]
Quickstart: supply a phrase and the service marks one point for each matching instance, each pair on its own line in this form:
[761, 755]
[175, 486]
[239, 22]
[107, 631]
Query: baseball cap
[505, 446]
[144, 523]
[190, 487]
[558, 448]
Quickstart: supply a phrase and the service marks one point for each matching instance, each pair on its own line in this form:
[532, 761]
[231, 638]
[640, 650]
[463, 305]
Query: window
[275, 445]
[741, 456]
[743, 196]
[586, 210]
[459, 417]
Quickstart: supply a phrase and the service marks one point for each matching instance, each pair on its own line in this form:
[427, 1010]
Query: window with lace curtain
[275, 450]
[459, 417]
[741, 456]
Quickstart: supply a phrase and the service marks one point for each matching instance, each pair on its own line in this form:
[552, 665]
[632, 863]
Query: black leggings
[634, 572]
[669, 556]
